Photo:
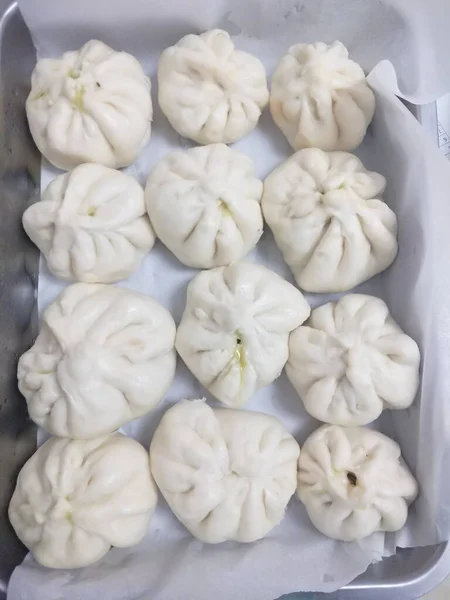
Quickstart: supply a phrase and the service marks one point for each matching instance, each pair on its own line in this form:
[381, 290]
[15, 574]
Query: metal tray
[406, 576]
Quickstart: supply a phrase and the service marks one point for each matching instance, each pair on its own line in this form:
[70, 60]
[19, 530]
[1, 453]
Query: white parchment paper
[169, 564]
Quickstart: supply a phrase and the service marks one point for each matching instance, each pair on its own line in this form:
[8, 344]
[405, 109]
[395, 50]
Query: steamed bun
[91, 225]
[320, 98]
[204, 204]
[234, 331]
[351, 360]
[209, 91]
[74, 499]
[90, 105]
[353, 482]
[328, 222]
[104, 356]
[226, 474]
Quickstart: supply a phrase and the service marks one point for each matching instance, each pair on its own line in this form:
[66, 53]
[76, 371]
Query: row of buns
[94, 104]
[106, 355]
[227, 475]
[207, 206]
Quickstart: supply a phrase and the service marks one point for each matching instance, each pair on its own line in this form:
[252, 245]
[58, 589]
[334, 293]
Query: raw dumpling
[75, 499]
[209, 91]
[327, 221]
[353, 482]
[91, 225]
[234, 332]
[104, 356]
[90, 105]
[204, 204]
[351, 360]
[226, 474]
[320, 98]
